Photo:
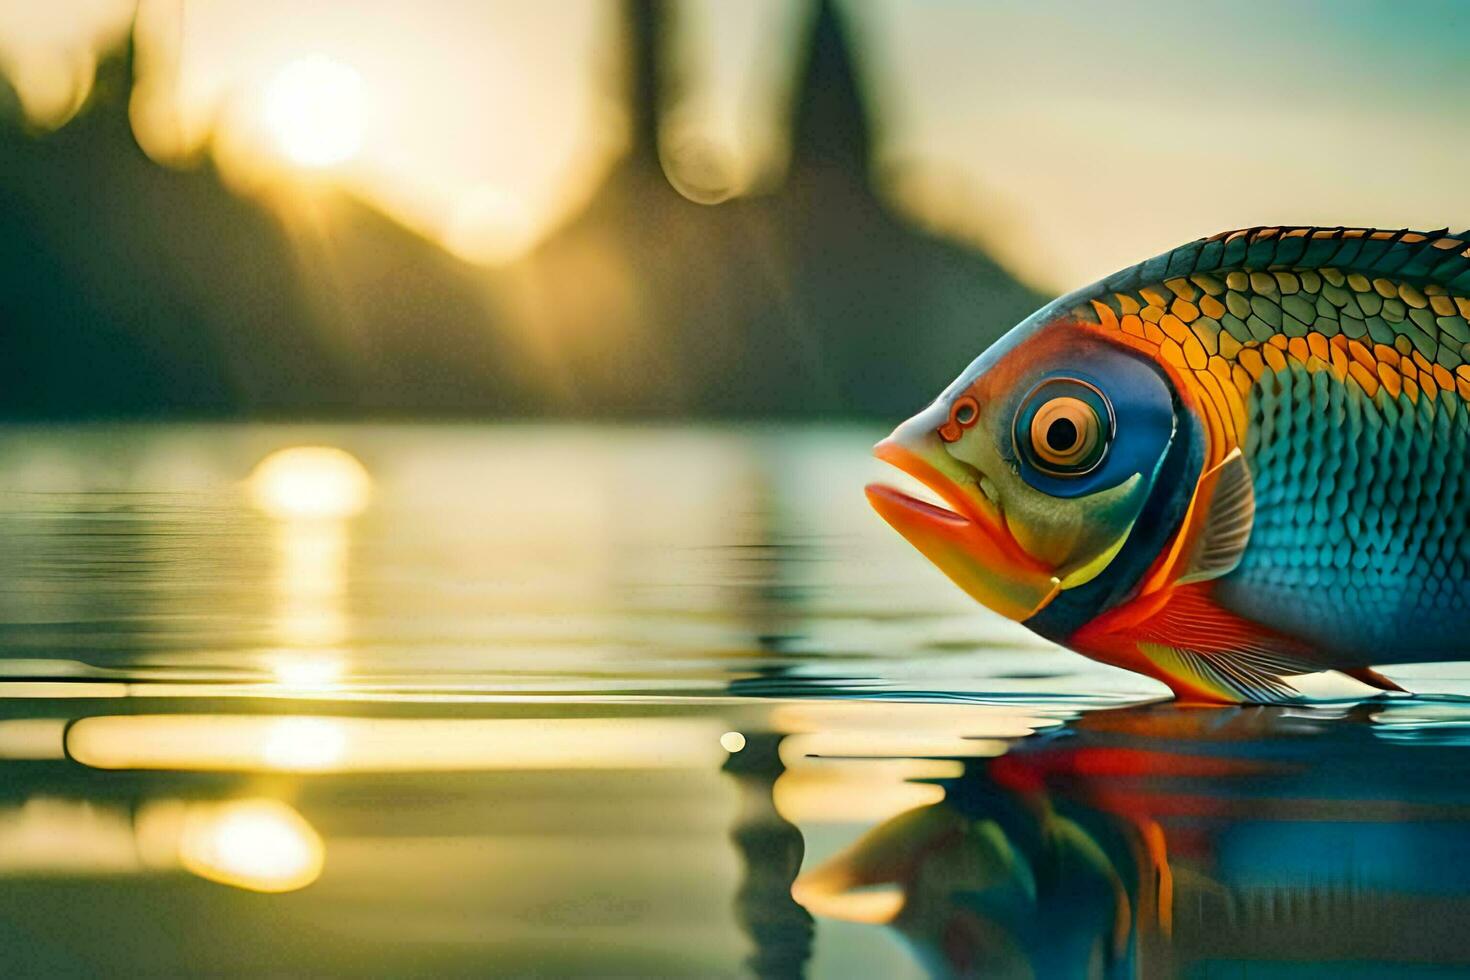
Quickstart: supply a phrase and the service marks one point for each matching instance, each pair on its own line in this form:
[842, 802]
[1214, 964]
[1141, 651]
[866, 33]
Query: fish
[1241, 467]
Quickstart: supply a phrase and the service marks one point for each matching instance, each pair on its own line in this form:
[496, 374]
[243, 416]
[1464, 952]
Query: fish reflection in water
[1159, 840]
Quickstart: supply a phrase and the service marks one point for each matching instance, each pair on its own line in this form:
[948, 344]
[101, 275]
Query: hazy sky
[1071, 138]
[1092, 135]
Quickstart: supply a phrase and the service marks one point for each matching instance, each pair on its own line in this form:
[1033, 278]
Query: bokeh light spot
[261, 845]
[315, 111]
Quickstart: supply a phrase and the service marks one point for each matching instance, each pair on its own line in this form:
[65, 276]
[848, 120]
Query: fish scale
[1402, 568]
[1358, 456]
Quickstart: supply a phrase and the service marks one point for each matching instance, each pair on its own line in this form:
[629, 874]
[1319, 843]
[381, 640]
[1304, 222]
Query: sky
[1067, 138]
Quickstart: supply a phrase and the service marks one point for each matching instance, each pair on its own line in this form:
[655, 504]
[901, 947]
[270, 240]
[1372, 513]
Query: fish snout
[966, 536]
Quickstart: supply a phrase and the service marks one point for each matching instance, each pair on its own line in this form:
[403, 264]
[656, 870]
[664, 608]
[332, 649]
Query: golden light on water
[861, 761]
[859, 791]
[315, 110]
[243, 743]
[312, 493]
[51, 836]
[32, 738]
[308, 670]
[311, 615]
[310, 483]
[304, 744]
[257, 844]
[261, 845]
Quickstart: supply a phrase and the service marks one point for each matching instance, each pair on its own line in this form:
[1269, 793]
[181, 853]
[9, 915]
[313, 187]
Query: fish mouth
[969, 543]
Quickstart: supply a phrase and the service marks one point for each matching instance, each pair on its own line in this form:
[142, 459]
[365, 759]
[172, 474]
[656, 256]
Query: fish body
[1239, 462]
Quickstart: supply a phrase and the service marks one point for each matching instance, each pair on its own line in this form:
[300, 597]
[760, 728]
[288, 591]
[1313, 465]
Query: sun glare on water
[314, 109]
[261, 845]
[310, 482]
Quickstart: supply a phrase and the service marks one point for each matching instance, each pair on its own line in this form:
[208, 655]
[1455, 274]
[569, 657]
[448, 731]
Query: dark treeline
[131, 290]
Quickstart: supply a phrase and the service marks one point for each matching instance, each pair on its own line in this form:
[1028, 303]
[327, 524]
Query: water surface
[620, 701]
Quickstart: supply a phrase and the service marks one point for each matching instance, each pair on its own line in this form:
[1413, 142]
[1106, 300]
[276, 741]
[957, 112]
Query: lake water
[636, 702]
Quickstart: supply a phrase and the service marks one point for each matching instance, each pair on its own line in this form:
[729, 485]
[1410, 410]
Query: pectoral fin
[1225, 526]
[1216, 528]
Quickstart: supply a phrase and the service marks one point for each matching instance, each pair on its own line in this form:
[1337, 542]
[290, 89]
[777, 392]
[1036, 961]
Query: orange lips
[969, 544]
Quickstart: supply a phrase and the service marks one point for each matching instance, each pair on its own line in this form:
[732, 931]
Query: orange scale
[1173, 327]
[1250, 359]
[1220, 368]
[1213, 416]
[1317, 344]
[1172, 352]
[1391, 380]
[1223, 408]
[1105, 315]
[1194, 353]
[1362, 355]
[1427, 385]
[1365, 378]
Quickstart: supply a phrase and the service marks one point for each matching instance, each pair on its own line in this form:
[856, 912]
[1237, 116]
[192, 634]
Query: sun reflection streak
[312, 493]
[243, 743]
[304, 744]
[868, 761]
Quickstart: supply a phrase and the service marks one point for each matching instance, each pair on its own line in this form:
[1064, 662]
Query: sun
[314, 109]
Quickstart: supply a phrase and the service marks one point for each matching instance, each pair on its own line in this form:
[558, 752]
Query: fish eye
[965, 411]
[1063, 427]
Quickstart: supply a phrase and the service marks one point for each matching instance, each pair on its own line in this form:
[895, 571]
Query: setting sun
[315, 111]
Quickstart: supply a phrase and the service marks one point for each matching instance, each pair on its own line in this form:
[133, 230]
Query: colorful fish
[1241, 462]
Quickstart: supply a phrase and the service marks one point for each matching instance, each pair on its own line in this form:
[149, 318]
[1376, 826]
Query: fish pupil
[1061, 435]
